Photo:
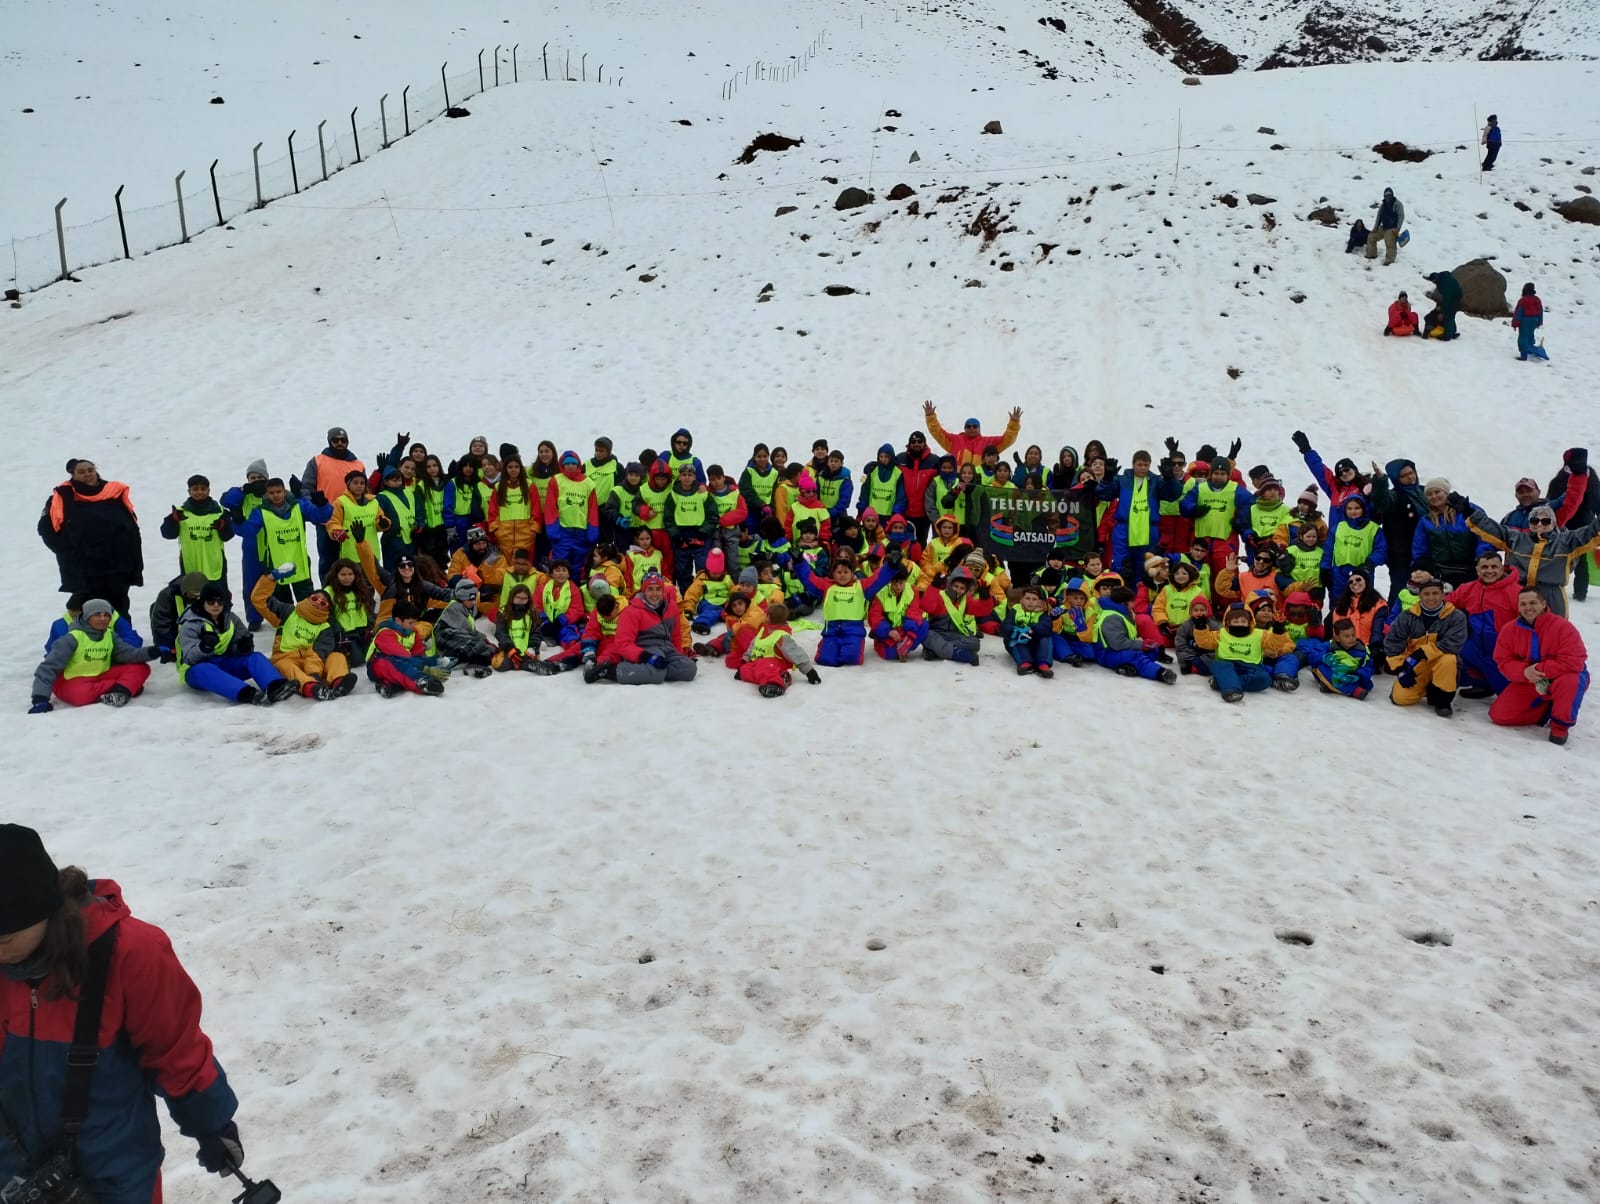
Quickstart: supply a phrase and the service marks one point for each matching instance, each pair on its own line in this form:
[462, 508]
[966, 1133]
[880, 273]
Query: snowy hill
[919, 933]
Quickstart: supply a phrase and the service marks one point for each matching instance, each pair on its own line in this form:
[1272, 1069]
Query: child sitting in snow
[1074, 626]
[1027, 635]
[772, 653]
[895, 617]
[399, 659]
[1191, 658]
[1346, 665]
[1117, 643]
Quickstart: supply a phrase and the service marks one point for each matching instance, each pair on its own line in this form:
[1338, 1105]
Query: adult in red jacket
[150, 1039]
[652, 639]
[1490, 604]
[919, 465]
[90, 525]
[1543, 657]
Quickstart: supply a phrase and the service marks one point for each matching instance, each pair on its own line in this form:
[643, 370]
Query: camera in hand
[55, 1182]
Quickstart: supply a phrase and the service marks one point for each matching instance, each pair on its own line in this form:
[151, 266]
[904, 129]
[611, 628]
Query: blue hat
[972, 422]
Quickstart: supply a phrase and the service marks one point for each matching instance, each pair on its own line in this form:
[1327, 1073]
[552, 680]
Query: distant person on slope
[967, 447]
[1491, 142]
[1391, 218]
[1526, 320]
[1447, 291]
[1402, 318]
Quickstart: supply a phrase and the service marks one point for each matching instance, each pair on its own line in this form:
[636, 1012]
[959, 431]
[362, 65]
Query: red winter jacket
[917, 475]
[150, 1042]
[1552, 643]
[1476, 598]
[643, 632]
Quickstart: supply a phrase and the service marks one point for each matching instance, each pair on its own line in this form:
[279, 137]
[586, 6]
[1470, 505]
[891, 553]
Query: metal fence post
[355, 134]
[583, 68]
[383, 116]
[405, 107]
[255, 153]
[566, 71]
[216, 197]
[544, 55]
[294, 171]
[497, 66]
[514, 77]
[61, 239]
[183, 219]
[322, 150]
[480, 71]
[600, 75]
[122, 225]
[445, 83]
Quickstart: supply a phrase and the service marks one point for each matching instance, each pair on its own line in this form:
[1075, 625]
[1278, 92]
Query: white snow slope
[541, 941]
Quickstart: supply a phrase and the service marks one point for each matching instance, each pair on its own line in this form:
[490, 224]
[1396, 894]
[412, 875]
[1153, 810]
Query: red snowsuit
[391, 642]
[1553, 645]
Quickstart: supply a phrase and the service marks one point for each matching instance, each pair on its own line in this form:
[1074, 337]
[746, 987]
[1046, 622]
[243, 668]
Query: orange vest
[331, 473]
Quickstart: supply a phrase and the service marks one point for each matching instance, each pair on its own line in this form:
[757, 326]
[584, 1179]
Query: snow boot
[431, 686]
[478, 671]
[703, 650]
[386, 690]
[1233, 696]
[700, 628]
[1044, 671]
[1476, 692]
[1167, 677]
[1126, 671]
[116, 696]
[1558, 735]
[1024, 669]
[280, 689]
[1287, 684]
[345, 685]
[771, 690]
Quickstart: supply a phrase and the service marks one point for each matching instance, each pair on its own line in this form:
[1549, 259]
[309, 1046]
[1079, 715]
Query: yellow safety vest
[92, 656]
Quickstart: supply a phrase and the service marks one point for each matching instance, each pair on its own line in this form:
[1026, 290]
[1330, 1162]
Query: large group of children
[637, 571]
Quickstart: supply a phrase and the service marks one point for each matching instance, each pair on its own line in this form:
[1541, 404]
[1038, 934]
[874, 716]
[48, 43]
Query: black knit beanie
[30, 886]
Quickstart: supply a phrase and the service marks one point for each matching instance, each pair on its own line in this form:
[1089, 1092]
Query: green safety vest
[1351, 545]
[199, 545]
[1297, 631]
[554, 599]
[689, 509]
[298, 633]
[642, 562]
[718, 590]
[1265, 520]
[880, 493]
[1139, 514]
[656, 499]
[224, 639]
[1244, 649]
[463, 498]
[285, 540]
[1214, 511]
[957, 611]
[603, 477]
[510, 582]
[763, 483]
[518, 506]
[92, 656]
[1307, 562]
[405, 513]
[1104, 616]
[432, 506]
[896, 607]
[572, 502]
[843, 603]
[766, 643]
[957, 510]
[675, 462]
[520, 630]
[1178, 601]
[829, 489]
[352, 616]
[249, 506]
[815, 513]
[367, 512]
[724, 501]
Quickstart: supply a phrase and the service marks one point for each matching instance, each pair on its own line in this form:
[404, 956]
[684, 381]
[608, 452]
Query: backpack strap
[83, 1055]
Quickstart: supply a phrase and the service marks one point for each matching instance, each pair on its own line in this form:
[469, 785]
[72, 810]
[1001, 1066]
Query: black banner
[1024, 524]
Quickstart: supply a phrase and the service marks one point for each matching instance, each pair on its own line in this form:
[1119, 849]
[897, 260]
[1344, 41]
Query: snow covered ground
[543, 941]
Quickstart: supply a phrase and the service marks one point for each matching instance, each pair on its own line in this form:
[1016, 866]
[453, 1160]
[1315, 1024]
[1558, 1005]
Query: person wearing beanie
[883, 485]
[216, 654]
[807, 506]
[1403, 321]
[1363, 604]
[944, 495]
[967, 447]
[310, 649]
[1447, 292]
[456, 634]
[651, 643]
[1544, 554]
[177, 596]
[1268, 515]
[1191, 658]
[401, 519]
[768, 655]
[1353, 539]
[399, 661]
[708, 593]
[680, 453]
[480, 561]
[1442, 537]
[54, 926]
[240, 502]
[90, 527]
[603, 470]
[1543, 658]
[1526, 319]
[1170, 605]
[89, 662]
[1423, 648]
[1339, 483]
[1399, 505]
[1240, 650]
[572, 513]
[328, 474]
[1219, 507]
[1074, 627]
[1386, 227]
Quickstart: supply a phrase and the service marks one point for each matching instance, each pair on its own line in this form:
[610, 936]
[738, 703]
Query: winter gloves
[1301, 443]
[1460, 503]
[358, 531]
[41, 706]
[813, 677]
[1233, 449]
[1407, 673]
[221, 1152]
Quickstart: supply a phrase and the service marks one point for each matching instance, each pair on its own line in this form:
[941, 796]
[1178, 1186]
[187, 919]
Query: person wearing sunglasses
[1544, 554]
[323, 482]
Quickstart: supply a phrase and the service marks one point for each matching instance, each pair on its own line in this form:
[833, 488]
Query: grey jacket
[60, 652]
[1183, 644]
[455, 632]
[1545, 564]
[788, 648]
[195, 626]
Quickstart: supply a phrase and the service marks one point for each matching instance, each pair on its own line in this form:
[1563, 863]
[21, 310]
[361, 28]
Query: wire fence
[301, 160]
[774, 72]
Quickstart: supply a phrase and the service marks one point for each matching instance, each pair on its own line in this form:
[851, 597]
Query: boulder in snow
[1327, 215]
[853, 198]
[901, 191]
[992, 127]
[457, 111]
[1584, 209]
[1483, 289]
[1256, 198]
